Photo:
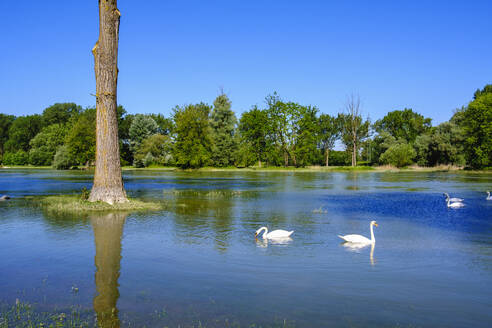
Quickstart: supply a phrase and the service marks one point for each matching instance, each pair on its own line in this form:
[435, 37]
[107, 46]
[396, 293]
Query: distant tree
[398, 153]
[193, 136]
[81, 138]
[5, 123]
[63, 160]
[19, 157]
[156, 149]
[442, 145]
[21, 131]
[306, 131]
[403, 124]
[223, 124]
[60, 113]
[166, 125]
[142, 127]
[353, 128]
[329, 132]
[280, 119]
[45, 143]
[476, 121]
[254, 129]
[124, 123]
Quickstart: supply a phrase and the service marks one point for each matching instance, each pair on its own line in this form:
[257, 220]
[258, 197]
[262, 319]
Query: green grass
[75, 204]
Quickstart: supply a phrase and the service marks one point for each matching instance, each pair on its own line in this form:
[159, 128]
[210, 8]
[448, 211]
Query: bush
[156, 149]
[40, 156]
[63, 160]
[18, 158]
[399, 154]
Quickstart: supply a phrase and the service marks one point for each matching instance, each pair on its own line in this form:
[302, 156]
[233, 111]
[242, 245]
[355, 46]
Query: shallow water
[199, 263]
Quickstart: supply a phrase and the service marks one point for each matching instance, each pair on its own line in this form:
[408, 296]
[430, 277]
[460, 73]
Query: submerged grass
[25, 315]
[75, 204]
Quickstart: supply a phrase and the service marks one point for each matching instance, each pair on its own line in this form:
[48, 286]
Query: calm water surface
[199, 263]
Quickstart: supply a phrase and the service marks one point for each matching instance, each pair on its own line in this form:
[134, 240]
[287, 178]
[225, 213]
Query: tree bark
[327, 151]
[108, 182]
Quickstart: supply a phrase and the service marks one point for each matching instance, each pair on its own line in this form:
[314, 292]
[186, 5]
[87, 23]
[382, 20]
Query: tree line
[280, 133]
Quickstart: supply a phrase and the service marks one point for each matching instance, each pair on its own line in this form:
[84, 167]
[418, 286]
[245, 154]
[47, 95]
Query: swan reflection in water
[108, 231]
[357, 247]
[263, 242]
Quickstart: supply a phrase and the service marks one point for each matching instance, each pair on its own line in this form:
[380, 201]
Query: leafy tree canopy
[193, 144]
[60, 113]
[223, 123]
[403, 124]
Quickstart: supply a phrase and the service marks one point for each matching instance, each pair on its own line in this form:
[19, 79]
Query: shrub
[399, 154]
[40, 156]
[18, 158]
[63, 160]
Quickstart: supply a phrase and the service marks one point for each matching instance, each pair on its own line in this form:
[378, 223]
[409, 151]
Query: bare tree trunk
[259, 161]
[327, 152]
[108, 183]
[354, 154]
[286, 158]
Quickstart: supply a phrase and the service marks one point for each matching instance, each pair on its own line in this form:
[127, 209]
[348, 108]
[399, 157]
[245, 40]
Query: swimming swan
[454, 199]
[454, 205]
[274, 234]
[488, 196]
[361, 239]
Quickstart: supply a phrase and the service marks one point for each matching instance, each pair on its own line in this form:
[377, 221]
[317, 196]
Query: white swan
[274, 234]
[488, 196]
[361, 239]
[454, 199]
[454, 205]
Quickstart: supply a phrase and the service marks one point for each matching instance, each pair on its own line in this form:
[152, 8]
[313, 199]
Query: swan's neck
[265, 233]
[373, 240]
[448, 200]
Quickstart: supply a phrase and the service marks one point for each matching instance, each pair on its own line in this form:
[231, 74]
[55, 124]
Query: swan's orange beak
[256, 234]
[375, 224]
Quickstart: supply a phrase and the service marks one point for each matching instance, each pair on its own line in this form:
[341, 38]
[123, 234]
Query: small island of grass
[76, 204]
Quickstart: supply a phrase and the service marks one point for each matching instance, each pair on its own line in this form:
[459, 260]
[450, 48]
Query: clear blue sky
[427, 55]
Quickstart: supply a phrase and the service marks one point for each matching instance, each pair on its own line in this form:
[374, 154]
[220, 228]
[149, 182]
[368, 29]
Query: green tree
[124, 122]
[166, 125]
[60, 113]
[19, 157]
[403, 124]
[306, 131]
[81, 137]
[476, 121]
[63, 160]
[223, 124]
[193, 143]
[399, 153]
[156, 149]
[254, 129]
[281, 116]
[442, 145]
[142, 127]
[21, 131]
[329, 132]
[5, 123]
[45, 143]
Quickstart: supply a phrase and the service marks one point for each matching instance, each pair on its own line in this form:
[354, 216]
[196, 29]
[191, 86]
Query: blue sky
[426, 55]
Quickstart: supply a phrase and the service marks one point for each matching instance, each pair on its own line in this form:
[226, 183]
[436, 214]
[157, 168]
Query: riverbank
[385, 168]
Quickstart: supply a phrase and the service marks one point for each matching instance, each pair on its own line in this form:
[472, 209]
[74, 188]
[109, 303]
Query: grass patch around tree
[77, 204]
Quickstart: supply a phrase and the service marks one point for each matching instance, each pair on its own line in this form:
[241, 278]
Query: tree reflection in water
[108, 231]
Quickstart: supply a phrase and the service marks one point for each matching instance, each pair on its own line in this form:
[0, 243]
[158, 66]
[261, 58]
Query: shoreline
[442, 168]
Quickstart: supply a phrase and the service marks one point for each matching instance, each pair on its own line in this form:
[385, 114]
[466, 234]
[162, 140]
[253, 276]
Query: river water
[197, 263]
